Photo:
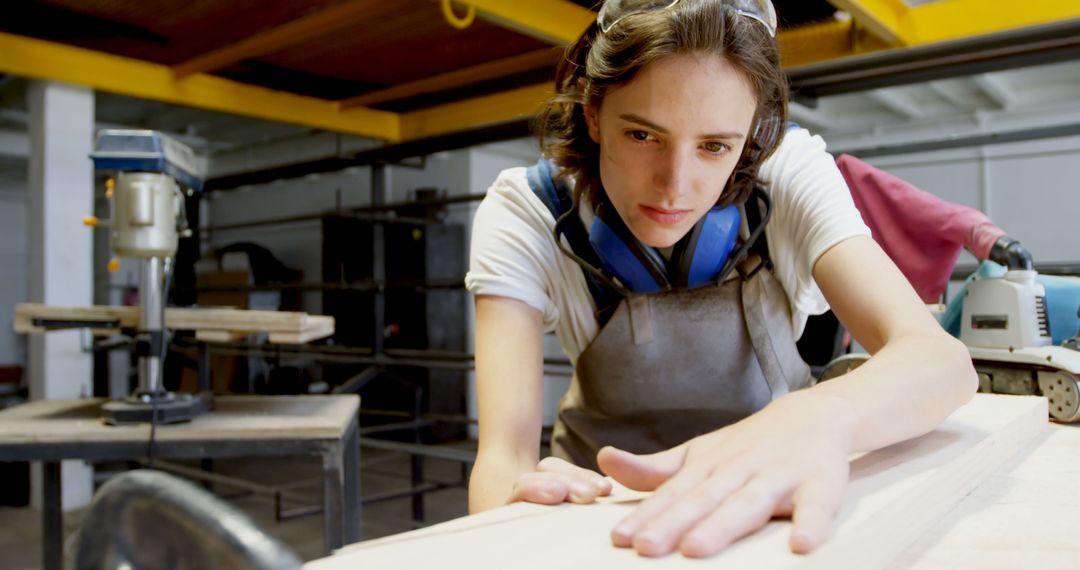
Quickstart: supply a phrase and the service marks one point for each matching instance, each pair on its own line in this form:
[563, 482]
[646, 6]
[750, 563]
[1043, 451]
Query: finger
[815, 506]
[563, 467]
[552, 488]
[542, 488]
[662, 534]
[745, 511]
[641, 472]
[625, 533]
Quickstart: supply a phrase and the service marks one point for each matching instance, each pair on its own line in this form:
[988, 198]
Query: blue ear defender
[705, 255]
[698, 259]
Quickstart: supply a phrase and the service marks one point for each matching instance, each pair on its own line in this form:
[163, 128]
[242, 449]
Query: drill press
[150, 173]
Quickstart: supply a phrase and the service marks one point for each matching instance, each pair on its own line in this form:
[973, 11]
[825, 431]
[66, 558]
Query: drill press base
[170, 408]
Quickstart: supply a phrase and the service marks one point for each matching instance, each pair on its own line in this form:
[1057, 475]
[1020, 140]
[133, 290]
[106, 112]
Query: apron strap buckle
[757, 262]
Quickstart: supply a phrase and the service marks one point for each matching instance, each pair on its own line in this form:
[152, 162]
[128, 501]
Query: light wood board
[215, 323]
[233, 417]
[894, 495]
[1026, 515]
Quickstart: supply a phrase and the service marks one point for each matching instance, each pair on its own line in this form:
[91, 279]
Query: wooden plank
[221, 336]
[319, 326]
[175, 318]
[894, 495]
[317, 24]
[233, 417]
[1024, 516]
[475, 74]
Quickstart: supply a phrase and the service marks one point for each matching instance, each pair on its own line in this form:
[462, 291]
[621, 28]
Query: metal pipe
[379, 187]
[151, 321]
[975, 140]
[1035, 45]
[319, 216]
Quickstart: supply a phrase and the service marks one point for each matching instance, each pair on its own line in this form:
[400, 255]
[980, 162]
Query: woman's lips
[662, 216]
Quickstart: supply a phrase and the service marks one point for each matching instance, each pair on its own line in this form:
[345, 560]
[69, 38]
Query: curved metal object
[148, 519]
[842, 365]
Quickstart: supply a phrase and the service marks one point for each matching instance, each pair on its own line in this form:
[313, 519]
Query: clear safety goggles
[613, 11]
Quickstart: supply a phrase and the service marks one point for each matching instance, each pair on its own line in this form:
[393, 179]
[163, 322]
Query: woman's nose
[673, 173]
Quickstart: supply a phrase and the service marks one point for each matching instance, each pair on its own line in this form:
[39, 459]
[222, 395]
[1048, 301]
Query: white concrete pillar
[60, 250]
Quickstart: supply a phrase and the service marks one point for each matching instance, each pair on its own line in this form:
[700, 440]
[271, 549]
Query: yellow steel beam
[955, 19]
[469, 75]
[886, 19]
[281, 37]
[557, 21]
[39, 59]
[524, 102]
[813, 43]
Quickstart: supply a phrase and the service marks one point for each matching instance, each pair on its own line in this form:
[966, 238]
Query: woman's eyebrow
[647, 123]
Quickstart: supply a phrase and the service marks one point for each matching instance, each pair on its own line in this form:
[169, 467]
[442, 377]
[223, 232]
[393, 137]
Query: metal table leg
[204, 367]
[52, 535]
[333, 497]
[353, 515]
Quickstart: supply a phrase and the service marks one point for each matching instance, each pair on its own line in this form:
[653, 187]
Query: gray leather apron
[674, 365]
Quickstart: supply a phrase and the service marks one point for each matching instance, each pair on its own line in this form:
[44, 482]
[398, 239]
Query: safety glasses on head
[614, 11]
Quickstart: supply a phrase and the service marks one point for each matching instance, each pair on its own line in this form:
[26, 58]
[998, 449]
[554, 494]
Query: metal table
[239, 426]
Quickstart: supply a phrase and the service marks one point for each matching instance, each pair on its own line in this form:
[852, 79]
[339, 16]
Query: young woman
[639, 241]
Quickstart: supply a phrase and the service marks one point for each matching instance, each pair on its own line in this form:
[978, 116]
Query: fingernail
[694, 546]
[647, 544]
[801, 541]
[580, 492]
[623, 533]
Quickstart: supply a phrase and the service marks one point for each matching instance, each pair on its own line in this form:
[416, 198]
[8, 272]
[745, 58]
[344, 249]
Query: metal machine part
[1006, 313]
[1006, 329]
[149, 519]
[148, 218]
[1051, 371]
[1010, 253]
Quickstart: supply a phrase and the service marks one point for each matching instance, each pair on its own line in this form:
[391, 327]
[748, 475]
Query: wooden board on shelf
[895, 494]
[220, 323]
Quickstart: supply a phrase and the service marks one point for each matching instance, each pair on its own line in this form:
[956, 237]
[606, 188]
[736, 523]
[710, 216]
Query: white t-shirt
[514, 255]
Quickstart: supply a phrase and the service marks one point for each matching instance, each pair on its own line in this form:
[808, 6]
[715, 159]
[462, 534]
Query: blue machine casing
[146, 151]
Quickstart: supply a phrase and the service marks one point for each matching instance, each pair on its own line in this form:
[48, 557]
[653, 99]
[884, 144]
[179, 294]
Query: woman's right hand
[556, 481]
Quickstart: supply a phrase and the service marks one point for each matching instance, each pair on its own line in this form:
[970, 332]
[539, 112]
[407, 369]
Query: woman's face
[669, 140]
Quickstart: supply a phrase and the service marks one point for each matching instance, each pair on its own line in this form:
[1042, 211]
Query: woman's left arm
[791, 458]
[918, 373]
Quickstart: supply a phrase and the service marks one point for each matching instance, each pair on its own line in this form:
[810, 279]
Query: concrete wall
[13, 267]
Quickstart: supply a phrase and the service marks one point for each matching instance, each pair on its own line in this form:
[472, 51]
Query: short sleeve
[511, 253]
[812, 211]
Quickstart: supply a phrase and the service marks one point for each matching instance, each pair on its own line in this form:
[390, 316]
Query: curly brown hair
[599, 62]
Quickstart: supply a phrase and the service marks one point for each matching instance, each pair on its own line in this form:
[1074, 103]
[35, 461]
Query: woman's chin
[660, 238]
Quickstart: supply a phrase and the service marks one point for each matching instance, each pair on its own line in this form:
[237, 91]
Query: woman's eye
[640, 136]
[716, 147]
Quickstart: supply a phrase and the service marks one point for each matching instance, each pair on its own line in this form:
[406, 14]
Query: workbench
[1025, 515]
[996, 493]
[239, 426]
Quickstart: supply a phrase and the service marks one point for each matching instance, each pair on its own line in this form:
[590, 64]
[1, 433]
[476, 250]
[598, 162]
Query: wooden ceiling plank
[477, 112]
[559, 22]
[470, 75]
[886, 19]
[281, 37]
[41, 59]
